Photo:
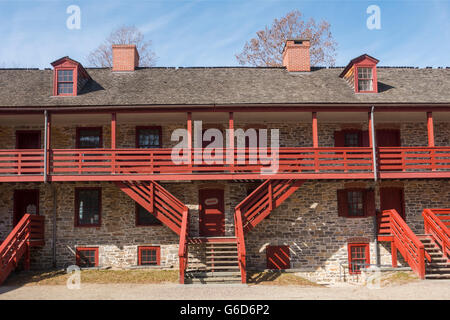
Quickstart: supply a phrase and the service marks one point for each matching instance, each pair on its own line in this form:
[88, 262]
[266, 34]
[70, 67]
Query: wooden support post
[430, 127]
[113, 142]
[394, 254]
[315, 130]
[230, 152]
[189, 130]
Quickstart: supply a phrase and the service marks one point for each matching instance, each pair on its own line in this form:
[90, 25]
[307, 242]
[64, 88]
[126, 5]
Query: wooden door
[392, 198]
[25, 201]
[212, 214]
[388, 138]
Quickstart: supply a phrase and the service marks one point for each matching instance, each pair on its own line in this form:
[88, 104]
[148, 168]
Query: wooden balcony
[157, 164]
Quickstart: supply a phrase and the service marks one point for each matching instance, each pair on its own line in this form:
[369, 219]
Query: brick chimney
[125, 57]
[296, 55]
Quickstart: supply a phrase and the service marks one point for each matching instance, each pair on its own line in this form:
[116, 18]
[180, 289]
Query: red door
[278, 257]
[25, 201]
[28, 140]
[388, 138]
[212, 215]
[392, 198]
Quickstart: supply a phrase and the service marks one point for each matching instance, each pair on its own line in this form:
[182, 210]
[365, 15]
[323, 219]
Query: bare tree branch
[102, 55]
[266, 48]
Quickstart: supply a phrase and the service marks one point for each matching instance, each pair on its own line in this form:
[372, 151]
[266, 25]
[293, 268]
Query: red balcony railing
[300, 163]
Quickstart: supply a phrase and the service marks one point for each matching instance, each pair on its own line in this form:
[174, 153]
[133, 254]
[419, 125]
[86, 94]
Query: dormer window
[65, 82]
[69, 77]
[365, 79]
[361, 74]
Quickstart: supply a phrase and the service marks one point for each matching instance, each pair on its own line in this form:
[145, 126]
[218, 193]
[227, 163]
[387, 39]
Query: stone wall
[307, 222]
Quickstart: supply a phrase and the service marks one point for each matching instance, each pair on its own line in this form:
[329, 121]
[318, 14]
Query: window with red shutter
[356, 203]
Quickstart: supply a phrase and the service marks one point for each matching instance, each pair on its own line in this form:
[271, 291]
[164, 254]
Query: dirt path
[439, 289]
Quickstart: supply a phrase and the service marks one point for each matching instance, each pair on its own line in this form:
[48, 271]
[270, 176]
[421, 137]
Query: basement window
[278, 257]
[358, 257]
[87, 257]
[149, 256]
[145, 218]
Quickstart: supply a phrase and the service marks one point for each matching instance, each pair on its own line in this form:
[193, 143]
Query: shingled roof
[224, 86]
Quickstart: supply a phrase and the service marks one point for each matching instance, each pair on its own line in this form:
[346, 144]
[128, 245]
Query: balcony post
[189, 137]
[113, 130]
[430, 129]
[113, 141]
[230, 151]
[315, 131]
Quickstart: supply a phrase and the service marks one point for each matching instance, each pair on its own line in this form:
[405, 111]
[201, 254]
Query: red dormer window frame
[363, 61]
[66, 63]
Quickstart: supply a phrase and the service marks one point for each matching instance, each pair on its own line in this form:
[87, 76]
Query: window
[358, 257]
[365, 79]
[148, 137]
[87, 257]
[145, 218]
[149, 256]
[278, 257]
[65, 82]
[356, 203]
[351, 138]
[87, 207]
[89, 138]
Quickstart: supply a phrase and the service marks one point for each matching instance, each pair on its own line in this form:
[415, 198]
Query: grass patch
[94, 276]
[398, 278]
[278, 278]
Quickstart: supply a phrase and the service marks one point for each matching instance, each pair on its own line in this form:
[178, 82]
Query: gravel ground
[439, 289]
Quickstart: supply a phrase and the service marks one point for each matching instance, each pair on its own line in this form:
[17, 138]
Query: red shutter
[342, 203]
[365, 139]
[339, 139]
[369, 202]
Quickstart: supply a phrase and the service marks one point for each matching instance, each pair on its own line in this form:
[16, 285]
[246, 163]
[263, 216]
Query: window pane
[149, 138]
[86, 258]
[89, 138]
[65, 75]
[88, 207]
[351, 139]
[146, 218]
[358, 258]
[149, 256]
[355, 203]
[365, 85]
[65, 87]
[365, 73]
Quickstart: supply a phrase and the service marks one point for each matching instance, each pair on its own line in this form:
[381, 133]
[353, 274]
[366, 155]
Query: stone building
[131, 166]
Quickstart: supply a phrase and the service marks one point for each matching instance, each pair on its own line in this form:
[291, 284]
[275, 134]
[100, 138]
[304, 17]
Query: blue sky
[209, 32]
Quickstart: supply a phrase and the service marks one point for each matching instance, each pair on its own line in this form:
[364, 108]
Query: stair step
[213, 280]
[200, 274]
[222, 257]
[223, 268]
[222, 262]
[437, 276]
[222, 252]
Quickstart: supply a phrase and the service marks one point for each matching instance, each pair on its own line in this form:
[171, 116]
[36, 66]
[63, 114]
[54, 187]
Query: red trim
[77, 136]
[158, 254]
[315, 130]
[18, 132]
[366, 248]
[374, 79]
[81, 249]
[77, 208]
[138, 128]
[113, 130]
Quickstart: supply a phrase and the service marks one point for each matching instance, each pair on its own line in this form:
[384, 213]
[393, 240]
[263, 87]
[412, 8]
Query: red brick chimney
[296, 55]
[125, 57]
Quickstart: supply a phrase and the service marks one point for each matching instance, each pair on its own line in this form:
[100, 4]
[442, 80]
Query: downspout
[375, 178]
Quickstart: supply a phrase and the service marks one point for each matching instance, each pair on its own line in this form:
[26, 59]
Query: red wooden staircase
[28, 233]
[427, 254]
[261, 202]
